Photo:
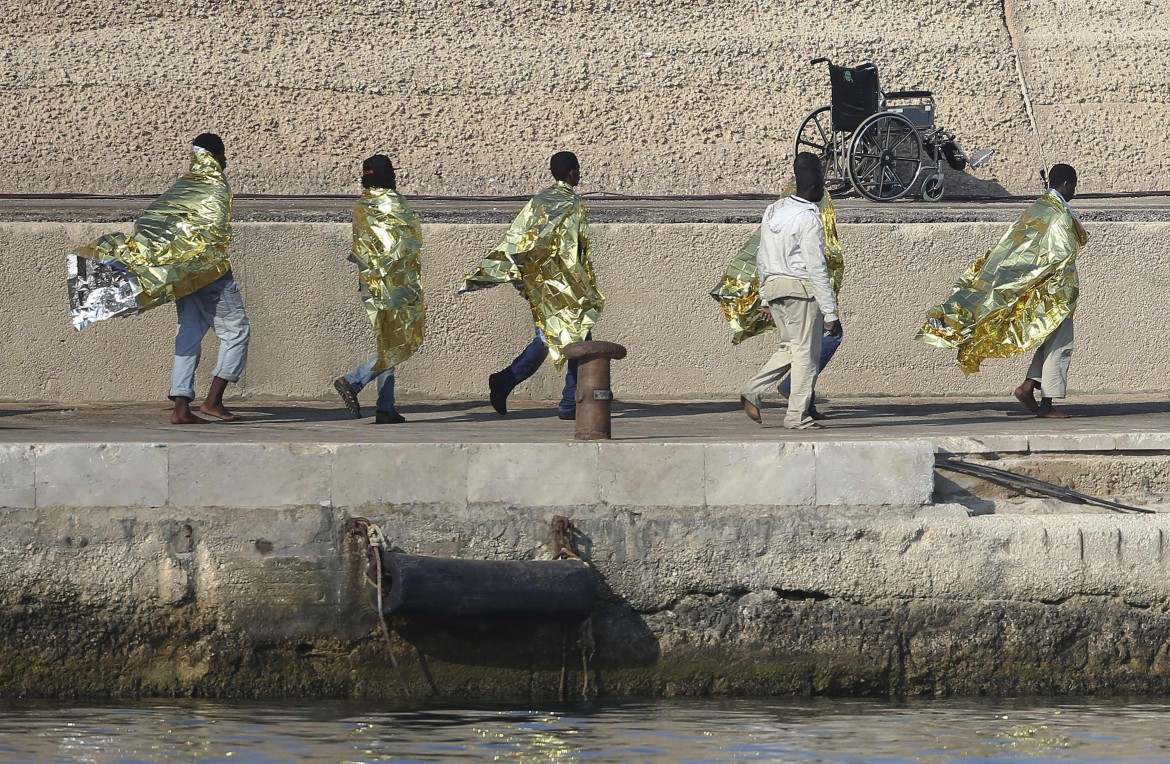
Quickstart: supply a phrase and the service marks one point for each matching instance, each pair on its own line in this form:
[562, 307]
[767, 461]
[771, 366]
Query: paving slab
[951, 425]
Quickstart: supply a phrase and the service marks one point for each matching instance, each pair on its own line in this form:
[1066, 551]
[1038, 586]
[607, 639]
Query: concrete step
[566, 474]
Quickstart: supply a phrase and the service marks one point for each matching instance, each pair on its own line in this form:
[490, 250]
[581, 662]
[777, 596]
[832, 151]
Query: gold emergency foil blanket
[179, 246]
[1017, 294]
[546, 251]
[387, 242]
[738, 292]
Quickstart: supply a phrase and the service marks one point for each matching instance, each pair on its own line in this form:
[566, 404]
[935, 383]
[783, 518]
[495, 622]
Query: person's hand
[766, 314]
[833, 328]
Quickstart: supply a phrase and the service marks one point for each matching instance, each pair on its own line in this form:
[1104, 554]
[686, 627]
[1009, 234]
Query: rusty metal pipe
[594, 395]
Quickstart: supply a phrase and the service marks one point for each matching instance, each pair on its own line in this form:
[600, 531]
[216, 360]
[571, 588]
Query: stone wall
[309, 326]
[470, 97]
[139, 569]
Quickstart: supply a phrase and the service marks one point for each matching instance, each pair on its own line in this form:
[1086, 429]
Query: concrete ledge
[533, 474]
[653, 474]
[761, 474]
[102, 474]
[18, 476]
[249, 474]
[879, 472]
[1053, 442]
[262, 475]
[416, 473]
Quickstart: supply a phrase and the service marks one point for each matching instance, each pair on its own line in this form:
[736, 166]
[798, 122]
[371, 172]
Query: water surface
[864, 732]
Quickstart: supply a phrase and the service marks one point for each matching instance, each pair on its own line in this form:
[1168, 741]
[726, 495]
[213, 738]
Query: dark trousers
[531, 359]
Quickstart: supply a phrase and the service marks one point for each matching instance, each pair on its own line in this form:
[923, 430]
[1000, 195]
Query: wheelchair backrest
[856, 95]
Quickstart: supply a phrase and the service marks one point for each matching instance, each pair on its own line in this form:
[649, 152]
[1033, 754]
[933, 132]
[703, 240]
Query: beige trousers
[1050, 365]
[800, 324]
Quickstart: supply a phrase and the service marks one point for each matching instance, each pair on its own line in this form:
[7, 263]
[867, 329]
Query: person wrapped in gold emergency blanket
[179, 246]
[387, 242]
[177, 253]
[1021, 295]
[545, 254]
[738, 292]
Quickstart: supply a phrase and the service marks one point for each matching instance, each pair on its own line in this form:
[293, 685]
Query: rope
[426, 669]
[564, 663]
[588, 647]
[382, 618]
[1007, 22]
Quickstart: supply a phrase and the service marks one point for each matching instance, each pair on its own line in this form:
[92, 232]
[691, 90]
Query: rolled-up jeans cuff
[187, 393]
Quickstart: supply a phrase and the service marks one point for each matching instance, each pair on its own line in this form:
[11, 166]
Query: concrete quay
[139, 559]
[876, 451]
[217, 467]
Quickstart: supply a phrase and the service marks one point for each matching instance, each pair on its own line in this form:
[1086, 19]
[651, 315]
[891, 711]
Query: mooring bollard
[593, 393]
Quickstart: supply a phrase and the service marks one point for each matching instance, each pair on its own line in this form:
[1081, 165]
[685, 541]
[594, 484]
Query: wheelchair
[878, 143]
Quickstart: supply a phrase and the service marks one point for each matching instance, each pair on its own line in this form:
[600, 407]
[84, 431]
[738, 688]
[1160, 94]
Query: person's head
[378, 172]
[1063, 178]
[212, 144]
[810, 177]
[565, 167]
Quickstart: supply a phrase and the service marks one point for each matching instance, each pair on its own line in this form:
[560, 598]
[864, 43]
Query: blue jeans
[531, 358]
[365, 374]
[829, 345]
[216, 306]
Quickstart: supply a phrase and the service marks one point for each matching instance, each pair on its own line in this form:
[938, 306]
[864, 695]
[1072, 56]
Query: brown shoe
[348, 396]
[752, 410]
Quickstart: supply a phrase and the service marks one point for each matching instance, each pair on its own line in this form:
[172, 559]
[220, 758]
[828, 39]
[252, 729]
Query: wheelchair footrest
[979, 158]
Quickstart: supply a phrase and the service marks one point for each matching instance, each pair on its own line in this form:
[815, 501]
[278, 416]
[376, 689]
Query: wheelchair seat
[856, 95]
[909, 94]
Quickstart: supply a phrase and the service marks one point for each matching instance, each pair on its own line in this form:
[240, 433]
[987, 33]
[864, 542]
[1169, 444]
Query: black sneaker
[498, 393]
[348, 396]
[569, 415]
[389, 417]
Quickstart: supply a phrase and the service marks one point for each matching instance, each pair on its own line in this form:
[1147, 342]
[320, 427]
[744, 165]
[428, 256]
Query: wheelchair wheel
[934, 186]
[816, 136]
[885, 157]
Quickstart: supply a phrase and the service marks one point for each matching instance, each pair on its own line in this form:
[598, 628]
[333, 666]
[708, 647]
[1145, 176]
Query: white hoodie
[792, 245]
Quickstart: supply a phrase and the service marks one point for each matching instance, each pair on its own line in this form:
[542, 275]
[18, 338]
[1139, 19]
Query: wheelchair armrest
[909, 94]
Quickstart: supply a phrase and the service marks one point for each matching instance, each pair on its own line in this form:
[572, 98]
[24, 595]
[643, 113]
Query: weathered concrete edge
[1053, 442]
[257, 475]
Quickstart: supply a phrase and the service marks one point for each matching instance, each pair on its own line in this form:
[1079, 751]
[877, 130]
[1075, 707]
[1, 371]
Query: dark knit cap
[378, 172]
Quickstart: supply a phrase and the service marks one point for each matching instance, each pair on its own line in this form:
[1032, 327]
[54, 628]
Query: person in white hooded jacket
[794, 283]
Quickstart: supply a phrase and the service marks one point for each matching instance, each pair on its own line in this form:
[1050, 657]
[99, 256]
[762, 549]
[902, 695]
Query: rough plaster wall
[308, 325]
[1095, 70]
[471, 96]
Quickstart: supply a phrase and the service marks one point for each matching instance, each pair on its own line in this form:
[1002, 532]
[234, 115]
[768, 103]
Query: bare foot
[1046, 411]
[1025, 395]
[219, 412]
[186, 417]
[1053, 414]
